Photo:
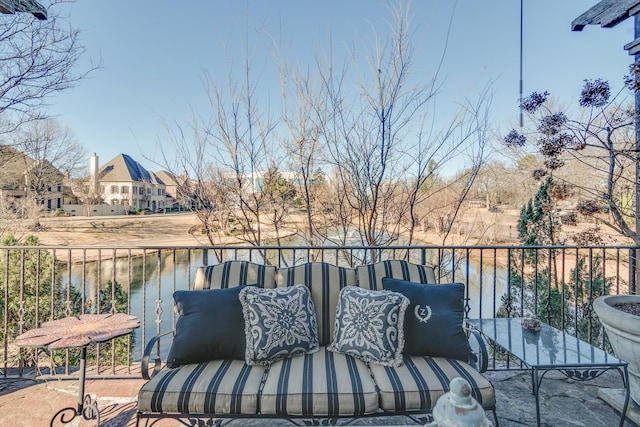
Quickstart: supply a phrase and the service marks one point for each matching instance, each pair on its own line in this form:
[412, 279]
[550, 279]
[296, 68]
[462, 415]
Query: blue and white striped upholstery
[215, 387]
[420, 381]
[322, 384]
[234, 273]
[370, 276]
[325, 281]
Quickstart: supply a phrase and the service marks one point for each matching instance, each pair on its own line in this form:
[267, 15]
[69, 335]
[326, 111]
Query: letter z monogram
[423, 313]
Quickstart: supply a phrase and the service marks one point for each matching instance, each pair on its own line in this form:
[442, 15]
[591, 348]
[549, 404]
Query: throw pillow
[369, 325]
[433, 322]
[279, 323]
[210, 327]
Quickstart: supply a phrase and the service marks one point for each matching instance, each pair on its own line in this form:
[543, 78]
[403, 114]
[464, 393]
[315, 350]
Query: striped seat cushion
[235, 273]
[325, 281]
[215, 387]
[370, 276]
[420, 381]
[322, 384]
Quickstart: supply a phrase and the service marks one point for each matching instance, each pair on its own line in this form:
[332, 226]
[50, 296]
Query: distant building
[123, 181]
[22, 177]
[174, 186]
[254, 182]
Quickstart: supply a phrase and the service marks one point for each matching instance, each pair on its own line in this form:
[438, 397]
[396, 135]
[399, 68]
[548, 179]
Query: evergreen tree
[25, 276]
[537, 224]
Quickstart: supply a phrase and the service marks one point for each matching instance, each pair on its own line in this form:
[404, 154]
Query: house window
[134, 190]
[124, 189]
[114, 189]
[149, 191]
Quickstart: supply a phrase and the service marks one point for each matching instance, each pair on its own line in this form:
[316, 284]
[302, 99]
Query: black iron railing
[40, 283]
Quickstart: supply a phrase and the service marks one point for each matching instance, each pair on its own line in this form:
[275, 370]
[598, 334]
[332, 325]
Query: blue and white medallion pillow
[370, 325]
[279, 323]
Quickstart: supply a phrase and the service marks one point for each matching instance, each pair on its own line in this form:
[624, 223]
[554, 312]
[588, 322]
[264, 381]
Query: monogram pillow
[278, 323]
[369, 325]
[433, 321]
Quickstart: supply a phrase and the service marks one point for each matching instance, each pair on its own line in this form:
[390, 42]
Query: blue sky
[154, 53]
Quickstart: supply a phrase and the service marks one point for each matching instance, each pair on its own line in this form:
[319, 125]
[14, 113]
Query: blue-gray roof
[123, 168]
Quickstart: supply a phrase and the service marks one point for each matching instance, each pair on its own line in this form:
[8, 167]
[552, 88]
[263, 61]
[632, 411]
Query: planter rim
[612, 317]
[610, 300]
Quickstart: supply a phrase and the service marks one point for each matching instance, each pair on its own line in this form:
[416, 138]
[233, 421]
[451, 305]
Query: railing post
[633, 270]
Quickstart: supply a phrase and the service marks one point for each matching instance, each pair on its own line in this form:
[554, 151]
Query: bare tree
[362, 159]
[383, 152]
[202, 185]
[85, 193]
[242, 144]
[464, 140]
[37, 59]
[50, 149]
[305, 114]
[365, 140]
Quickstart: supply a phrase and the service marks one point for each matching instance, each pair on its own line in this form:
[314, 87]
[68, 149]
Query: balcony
[559, 284]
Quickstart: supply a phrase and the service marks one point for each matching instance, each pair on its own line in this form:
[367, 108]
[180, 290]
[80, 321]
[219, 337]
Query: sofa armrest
[478, 349]
[144, 363]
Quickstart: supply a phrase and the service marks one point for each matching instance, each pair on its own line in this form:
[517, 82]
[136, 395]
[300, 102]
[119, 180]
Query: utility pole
[608, 14]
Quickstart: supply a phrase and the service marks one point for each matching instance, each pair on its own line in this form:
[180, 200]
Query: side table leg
[87, 407]
[623, 415]
[83, 370]
[536, 391]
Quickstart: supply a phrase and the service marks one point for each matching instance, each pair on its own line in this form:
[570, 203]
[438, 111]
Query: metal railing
[41, 283]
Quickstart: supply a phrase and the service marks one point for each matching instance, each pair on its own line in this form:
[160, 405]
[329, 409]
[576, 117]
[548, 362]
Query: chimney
[93, 174]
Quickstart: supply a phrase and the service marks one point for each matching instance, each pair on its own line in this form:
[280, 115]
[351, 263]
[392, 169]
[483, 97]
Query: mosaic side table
[79, 332]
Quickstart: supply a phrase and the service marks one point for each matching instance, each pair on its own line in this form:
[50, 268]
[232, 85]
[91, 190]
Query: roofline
[607, 14]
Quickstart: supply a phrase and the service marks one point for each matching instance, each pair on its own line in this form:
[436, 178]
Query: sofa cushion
[278, 323]
[210, 326]
[369, 325]
[215, 387]
[322, 384]
[234, 273]
[433, 321]
[420, 381]
[370, 276]
[325, 281]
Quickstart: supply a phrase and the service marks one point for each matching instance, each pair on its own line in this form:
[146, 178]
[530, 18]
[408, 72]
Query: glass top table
[550, 349]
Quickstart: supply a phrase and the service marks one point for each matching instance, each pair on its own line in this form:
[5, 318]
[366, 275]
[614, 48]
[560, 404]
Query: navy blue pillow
[210, 326]
[433, 320]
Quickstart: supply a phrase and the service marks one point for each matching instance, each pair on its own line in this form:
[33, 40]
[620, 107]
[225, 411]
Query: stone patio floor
[564, 402]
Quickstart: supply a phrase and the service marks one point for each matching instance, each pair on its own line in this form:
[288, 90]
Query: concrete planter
[623, 331]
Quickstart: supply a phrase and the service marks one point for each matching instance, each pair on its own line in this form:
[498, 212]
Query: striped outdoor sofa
[320, 385]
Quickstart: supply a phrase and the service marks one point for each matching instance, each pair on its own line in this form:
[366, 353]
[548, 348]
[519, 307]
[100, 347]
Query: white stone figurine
[458, 409]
